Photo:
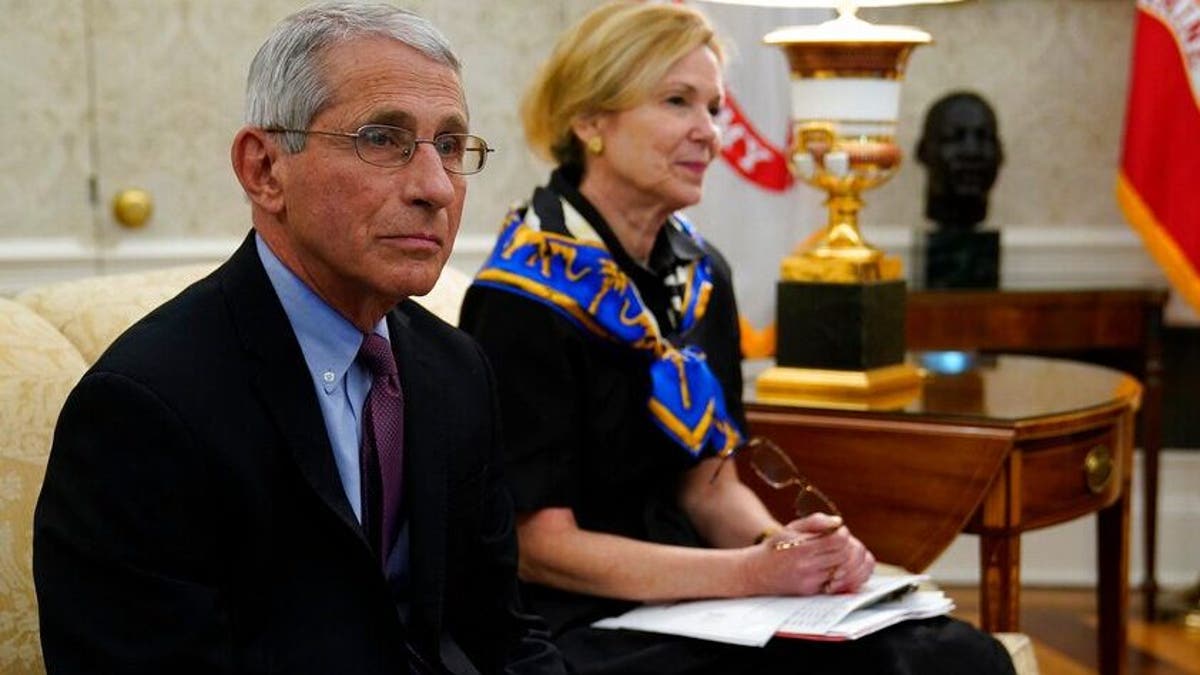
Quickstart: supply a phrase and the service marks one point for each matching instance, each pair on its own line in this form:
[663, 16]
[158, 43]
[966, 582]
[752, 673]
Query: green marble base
[827, 326]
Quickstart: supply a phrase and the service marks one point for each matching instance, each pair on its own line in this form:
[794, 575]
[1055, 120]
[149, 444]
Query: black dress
[578, 435]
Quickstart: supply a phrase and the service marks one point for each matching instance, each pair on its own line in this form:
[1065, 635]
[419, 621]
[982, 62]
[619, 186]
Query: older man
[290, 467]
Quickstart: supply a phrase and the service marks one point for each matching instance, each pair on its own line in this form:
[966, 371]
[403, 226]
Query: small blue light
[947, 363]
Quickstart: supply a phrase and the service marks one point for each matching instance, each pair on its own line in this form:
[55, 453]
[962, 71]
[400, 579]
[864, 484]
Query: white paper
[741, 621]
[867, 620]
[754, 621]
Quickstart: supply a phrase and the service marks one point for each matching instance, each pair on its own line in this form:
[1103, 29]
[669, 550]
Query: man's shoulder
[433, 353]
[170, 335]
[432, 332]
[427, 323]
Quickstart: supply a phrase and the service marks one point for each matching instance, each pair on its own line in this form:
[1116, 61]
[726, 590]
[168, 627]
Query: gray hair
[286, 87]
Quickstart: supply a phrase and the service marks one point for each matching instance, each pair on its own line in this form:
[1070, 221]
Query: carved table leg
[1000, 558]
[1000, 550]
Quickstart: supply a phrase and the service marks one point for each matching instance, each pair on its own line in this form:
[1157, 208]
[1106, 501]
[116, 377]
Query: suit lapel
[424, 465]
[280, 375]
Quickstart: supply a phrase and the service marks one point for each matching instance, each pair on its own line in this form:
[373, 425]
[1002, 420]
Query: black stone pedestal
[855, 327]
[959, 258]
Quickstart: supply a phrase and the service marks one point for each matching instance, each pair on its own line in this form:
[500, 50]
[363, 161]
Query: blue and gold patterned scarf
[581, 280]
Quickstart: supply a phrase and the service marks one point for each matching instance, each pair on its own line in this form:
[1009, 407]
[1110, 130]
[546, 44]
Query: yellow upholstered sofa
[38, 367]
[48, 337]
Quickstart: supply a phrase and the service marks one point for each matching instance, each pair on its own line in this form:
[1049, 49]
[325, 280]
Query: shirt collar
[329, 342]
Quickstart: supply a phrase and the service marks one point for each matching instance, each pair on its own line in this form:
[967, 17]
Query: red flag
[1159, 183]
[748, 152]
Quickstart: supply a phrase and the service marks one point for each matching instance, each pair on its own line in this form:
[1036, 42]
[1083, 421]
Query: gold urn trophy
[840, 301]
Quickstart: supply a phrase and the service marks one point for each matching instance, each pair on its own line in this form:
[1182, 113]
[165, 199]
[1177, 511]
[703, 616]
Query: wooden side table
[1006, 445]
[1120, 328]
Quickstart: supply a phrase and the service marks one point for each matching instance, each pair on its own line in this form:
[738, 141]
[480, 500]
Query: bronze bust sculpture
[961, 151]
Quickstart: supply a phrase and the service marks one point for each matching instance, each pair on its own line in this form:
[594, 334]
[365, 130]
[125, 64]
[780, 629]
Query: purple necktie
[382, 445]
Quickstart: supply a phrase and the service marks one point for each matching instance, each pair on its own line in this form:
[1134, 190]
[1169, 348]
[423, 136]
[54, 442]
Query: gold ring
[825, 587]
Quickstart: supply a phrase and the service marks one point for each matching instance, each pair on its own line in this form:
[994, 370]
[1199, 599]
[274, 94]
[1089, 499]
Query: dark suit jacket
[192, 518]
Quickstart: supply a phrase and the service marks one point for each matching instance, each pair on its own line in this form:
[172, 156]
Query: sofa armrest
[38, 368]
[91, 312]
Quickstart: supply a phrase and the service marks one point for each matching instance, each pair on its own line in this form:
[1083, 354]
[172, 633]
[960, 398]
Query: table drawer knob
[1098, 468]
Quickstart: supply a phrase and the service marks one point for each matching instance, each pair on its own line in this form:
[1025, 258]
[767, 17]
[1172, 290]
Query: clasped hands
[810, 555]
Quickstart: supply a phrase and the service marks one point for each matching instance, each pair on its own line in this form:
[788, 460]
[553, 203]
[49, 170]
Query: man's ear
[255, 156]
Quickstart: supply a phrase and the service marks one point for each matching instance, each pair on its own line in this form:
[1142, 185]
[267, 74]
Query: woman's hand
[814, 554]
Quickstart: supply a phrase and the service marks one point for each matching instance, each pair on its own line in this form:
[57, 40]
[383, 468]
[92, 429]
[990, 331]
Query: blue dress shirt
[330, 344]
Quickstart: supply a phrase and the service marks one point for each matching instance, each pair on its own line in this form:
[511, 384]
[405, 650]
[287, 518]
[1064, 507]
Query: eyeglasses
[776, 469]
[388, 146]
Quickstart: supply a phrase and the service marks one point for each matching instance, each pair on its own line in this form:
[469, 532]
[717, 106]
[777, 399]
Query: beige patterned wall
[1055, 71]
[44, 156]
[169, 79]
[168, 82]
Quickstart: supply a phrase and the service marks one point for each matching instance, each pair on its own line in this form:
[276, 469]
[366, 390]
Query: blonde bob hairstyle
[610, 60]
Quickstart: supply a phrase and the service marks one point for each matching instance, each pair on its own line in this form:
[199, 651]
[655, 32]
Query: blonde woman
[610, 322]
